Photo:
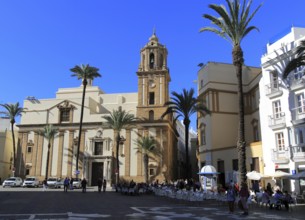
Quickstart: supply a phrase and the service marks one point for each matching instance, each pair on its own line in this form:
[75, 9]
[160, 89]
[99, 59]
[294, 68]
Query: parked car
[31, 181]
[53, 182]
[12, 181]
[59, 183]
[77, 183]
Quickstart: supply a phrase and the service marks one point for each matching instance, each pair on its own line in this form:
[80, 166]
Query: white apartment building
[282, 109]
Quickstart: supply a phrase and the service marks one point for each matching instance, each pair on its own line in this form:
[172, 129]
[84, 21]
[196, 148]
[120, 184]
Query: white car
[53, 182]
[12, 181]
[31, 181]
[77, 183]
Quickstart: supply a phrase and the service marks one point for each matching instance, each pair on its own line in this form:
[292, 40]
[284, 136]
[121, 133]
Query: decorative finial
[154, 30]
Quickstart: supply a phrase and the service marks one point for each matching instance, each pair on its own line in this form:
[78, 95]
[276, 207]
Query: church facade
[98, 142]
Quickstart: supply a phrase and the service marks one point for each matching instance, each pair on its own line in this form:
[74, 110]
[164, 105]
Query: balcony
[298, 115]
[298, 153]
[277, 121]
[280, 156]
[297, 80]
[273, 90]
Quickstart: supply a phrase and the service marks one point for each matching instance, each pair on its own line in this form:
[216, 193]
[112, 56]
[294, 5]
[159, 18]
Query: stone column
[70, 153]
[127, 152]
[34, 155]
[139, 159]
[39, 154]
[60, 153]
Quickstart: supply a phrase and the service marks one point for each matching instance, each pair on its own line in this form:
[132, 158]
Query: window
[201, 84]
[98, 148]
[280, 143]
[299, 136]
[254, 164]
[235, 164]
[27, 171]
[203, 136]
[277, 109]
[255, 130]
[151, 171]
[274, 80]
[65, 115]
[151, 115]
[151, 61]
[29, 150]
[151, 98]
[301, 103]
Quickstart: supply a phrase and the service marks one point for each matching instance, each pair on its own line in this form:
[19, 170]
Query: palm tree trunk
[238, 61]
[117, 172]
[186, 123]
[14, 147]
[145, 160]
[81, 123]
[48, 158]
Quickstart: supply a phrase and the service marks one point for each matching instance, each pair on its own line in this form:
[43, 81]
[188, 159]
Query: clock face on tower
[152, 83]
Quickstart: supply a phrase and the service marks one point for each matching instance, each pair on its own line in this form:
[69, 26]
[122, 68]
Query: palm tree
[49, 133]
[148, 146]
[118, 120]
[84, 72]
[233, 25]
[298, 61]
[12, 111]
[184, 105]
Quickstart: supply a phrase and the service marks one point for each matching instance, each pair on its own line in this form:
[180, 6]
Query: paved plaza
[19, 203]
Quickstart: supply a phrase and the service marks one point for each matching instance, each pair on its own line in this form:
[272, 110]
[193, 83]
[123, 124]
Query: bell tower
[153, 80]
[153, 92]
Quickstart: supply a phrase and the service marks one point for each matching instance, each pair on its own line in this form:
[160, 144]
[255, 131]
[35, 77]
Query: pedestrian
[44, 185]
[71, 183]
[231, 198]
[244, 195]
[104, 185]
[99, 184]
[84, 184]
[66, 184]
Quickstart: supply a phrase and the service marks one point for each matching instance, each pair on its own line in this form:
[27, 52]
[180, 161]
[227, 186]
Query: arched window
[151, 115]
[151, 60]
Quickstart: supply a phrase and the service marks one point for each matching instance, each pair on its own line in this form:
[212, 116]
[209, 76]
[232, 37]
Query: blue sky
[41, 40]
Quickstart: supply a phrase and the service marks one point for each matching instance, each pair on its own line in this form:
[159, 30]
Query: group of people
[101, 183]
[68, 183]
[274, 200]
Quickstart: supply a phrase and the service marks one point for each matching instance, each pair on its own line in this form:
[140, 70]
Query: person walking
[99, 184]
[244, 195]
[104, 185]
[84, 185]
[231, 198]
[71, 183]
[66, 184]
[44, 185]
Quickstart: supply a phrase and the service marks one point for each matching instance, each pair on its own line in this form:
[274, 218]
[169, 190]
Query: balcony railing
[277, 120]
[274, 89]
[298, 153]
[280, 156]
[298, 115]
[297, 80]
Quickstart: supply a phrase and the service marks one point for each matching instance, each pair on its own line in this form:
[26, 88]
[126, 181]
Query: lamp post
[119, 141]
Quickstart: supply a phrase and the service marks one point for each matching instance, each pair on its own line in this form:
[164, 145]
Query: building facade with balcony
[217, 133]
[282, 107]
[98, 141]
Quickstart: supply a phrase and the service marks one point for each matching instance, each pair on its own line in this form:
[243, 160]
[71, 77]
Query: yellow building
[217, 133]
[6, 148]
[98, 145]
